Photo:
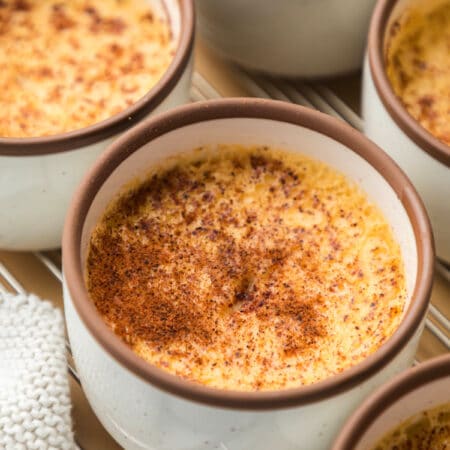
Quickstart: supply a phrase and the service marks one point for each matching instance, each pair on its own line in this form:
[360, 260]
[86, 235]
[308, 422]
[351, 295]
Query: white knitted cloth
[34, 389]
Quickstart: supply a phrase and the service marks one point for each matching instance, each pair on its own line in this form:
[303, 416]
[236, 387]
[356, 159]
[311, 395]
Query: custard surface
[247, 268]
[65, 65]
[428, 430]
[418, 66]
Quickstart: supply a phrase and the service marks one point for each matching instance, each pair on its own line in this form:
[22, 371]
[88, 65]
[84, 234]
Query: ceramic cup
[421, 388]
[144, 407]
[425, 159]
[290, 38]
[38, 175]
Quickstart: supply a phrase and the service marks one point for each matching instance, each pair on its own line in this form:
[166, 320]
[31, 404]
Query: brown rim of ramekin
[387, 395]
[425, 140]
[119, 122]
[259, 109]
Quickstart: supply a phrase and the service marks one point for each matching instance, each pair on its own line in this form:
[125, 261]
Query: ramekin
[290, 38]
[38, 175]
[144, 407]
[424, 158]
[423, 387]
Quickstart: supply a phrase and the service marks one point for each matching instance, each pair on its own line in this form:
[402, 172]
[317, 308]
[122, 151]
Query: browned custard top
[65, 65]
[418, 65]
[247, 268]
[427, 430]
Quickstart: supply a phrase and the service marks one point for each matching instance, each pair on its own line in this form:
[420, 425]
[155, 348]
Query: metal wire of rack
[315, 96]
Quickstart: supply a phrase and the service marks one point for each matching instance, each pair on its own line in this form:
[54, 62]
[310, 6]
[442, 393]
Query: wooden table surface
[31, 275]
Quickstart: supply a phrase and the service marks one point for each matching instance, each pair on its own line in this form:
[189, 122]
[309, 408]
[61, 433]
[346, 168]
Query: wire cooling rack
[40, 272]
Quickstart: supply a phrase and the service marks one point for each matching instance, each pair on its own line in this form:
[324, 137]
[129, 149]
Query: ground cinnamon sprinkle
[247, 268]
[418, 65]
[427, 430]
[65, 65]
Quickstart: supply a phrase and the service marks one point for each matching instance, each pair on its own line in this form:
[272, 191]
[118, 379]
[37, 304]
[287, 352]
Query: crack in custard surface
[418, 66]
[65, 65]
[247, 268]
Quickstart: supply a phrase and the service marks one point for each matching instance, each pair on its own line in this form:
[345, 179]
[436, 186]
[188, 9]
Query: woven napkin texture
[34, 389]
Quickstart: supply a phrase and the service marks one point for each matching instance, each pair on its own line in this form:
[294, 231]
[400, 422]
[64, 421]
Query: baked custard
[428, 430]
[247, 268]
[418, 65]
[65, 65]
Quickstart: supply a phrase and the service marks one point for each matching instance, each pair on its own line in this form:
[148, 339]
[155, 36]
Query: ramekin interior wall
[170, 9]
[263, 132]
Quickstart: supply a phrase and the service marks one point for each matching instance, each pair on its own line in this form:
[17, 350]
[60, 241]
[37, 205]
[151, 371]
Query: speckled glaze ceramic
[38, 175]
[291, 38]
[144, 407]
[424, 158]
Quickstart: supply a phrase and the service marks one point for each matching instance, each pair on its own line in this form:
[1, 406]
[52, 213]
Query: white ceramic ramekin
[291, 38]
[144, 407]
[424, 158]
[38, 175]
[424, 387]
